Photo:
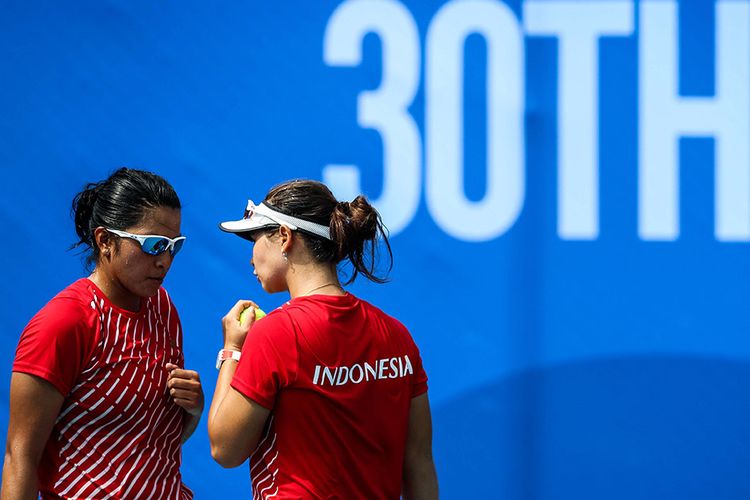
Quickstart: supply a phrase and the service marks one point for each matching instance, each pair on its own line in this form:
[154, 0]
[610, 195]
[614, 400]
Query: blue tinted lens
[155, 245]
[177, 247]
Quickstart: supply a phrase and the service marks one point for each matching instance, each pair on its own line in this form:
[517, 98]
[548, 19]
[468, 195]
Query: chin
[149, 289]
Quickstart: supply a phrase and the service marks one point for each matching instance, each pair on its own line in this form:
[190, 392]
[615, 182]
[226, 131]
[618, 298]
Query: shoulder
[276, 325]
[271, 341]
[394, 323]
[394, 330]
[60, 338]
[68, 317]
[74, 304]
[82, 290]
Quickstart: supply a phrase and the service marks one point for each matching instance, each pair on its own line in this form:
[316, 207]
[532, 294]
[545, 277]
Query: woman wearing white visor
[326, 395]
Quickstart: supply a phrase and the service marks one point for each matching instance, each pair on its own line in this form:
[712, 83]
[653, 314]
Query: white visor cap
[262, 216]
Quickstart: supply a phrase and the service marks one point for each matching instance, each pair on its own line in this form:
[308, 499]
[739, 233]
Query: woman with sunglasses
[99, 400]
[326, 395]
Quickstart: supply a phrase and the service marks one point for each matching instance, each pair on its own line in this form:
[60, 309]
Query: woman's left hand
[234, 331]
[185, 388]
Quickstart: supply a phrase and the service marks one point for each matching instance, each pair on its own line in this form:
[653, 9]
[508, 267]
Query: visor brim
[244, 227]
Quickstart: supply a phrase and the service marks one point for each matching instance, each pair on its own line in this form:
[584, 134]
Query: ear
[286, 238]
[103, 241]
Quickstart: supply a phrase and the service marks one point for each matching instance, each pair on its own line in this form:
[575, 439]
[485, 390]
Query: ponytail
[83, 211]
[355, 226]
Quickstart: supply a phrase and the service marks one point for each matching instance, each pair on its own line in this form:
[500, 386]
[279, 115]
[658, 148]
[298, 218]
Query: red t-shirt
[118, 433]
[338, 375]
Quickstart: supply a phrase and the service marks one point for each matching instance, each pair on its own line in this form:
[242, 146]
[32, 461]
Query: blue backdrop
[567, 185]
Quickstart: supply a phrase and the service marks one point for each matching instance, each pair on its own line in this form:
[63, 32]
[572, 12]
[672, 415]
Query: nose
[164, 261]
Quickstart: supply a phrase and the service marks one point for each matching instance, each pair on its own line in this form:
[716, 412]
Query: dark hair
[355, 226]
[118, 202]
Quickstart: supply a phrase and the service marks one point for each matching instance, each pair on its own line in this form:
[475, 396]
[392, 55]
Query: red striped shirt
[118, 433]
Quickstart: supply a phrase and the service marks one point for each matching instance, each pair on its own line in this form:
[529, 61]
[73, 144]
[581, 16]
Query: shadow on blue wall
[638, 428]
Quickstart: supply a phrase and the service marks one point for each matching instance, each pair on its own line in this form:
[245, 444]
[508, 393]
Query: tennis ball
[258, 314]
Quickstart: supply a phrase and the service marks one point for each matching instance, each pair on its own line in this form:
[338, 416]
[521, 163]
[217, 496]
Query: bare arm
[189, 424]
[420, 478]
[34, 407]
[235, 422]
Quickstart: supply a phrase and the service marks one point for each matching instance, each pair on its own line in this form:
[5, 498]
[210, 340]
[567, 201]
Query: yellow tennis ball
[258, 314]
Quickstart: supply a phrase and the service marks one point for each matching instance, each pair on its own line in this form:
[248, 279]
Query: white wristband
[225, 354]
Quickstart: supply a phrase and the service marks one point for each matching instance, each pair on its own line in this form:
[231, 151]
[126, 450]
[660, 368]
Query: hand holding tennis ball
[246, 312]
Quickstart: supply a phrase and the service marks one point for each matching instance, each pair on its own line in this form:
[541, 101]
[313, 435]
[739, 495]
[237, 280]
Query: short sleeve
[419, 384]
[57, 343]
[269, 359]
[419, 379]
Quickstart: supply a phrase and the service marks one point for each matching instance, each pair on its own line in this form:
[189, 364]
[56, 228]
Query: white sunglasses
[153, 244]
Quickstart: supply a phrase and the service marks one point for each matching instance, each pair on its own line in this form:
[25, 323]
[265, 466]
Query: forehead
[164, 221]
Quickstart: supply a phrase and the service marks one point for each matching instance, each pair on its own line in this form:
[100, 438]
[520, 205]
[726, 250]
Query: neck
[115, 292]
[319, 281]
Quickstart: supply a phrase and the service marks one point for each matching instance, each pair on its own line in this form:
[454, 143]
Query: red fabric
[339, 376]
[118, 432]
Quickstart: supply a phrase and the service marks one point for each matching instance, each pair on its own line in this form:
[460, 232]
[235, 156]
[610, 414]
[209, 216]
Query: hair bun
[344, 208]
[355, 226]
[83, 209]
[364, 217]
